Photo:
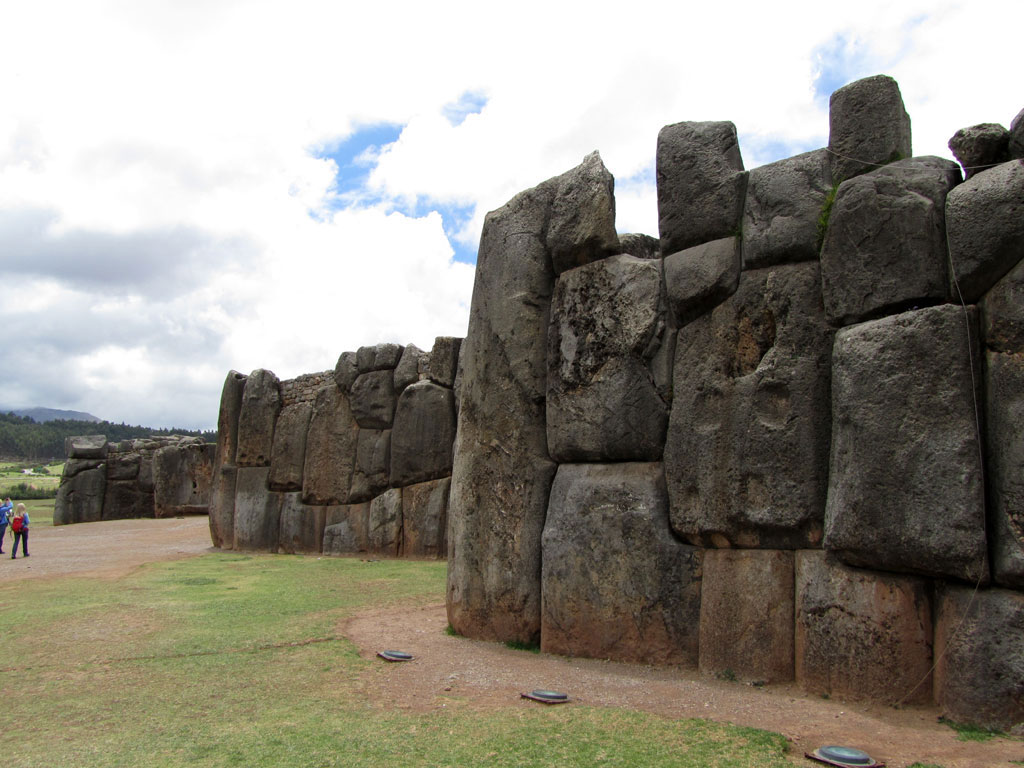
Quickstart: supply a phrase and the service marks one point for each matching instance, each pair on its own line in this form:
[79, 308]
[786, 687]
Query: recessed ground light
[844, 757]
[395, 655]
[546, 697]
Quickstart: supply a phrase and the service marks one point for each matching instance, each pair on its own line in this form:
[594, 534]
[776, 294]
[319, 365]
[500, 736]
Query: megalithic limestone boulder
[288, 454]
[302, 526]
[257, 511]
[444, 360]
[372, 464]
[421, 442]
[227, 418]
[980, 146]
[261, 402]
[701, 184]
[330, 450]
[581, 224]
[905, 485]
[868, 126]
[425, 518]
[502, 472]
[182, 479]
[81, 493]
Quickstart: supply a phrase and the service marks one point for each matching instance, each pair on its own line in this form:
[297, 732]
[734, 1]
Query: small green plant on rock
[727, 675]
[971, 732]
[826, 213]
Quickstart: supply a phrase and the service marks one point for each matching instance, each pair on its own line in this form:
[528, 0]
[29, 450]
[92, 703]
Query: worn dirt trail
[458, 672]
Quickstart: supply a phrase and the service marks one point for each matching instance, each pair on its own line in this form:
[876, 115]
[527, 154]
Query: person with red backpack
[5, 511]
[19, 525]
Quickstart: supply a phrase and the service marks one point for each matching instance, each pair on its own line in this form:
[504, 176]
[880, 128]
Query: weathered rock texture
[980, 146]
[146, 477]
[261, 402]
[812, 489]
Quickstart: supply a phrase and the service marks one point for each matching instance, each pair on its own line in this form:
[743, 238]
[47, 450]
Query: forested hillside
[22, 437]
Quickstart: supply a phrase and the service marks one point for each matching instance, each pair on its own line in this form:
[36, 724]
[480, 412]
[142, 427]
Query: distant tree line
[21, 437]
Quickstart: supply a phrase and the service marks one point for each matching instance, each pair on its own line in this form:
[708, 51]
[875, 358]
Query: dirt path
[457, 672]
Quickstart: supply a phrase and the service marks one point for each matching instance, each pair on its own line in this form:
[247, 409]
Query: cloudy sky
[194, 186]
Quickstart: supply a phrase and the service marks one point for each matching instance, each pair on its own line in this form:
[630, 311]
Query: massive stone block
[227, 418]
[616, 583]
[425, 518]
[86, 447]
[122, 466]
[421, 442]
[979, 146]
[444, 360]
[1016, 143]
[261, 402]
[378, 358]
[607, 324]
[330, 450]
[384, 531]
[345, 371]
[979, 651]
[747, 450]
[862, 634]
[288, 453]
[701, 184]
[700, 278]
[124, 500]
[222, 507]
[985, 227]
[640, 245]
[302, 526]
[182, 479]
[746, 614]
[502, 473]
[581, 223]
[80, 496]
[408, 369]
[885, 249]
[1003, 334]
[905, 483]
[347, 529]
[372, 465]
[868, 126]
[257, 521]
[373, 399]
[783, 205]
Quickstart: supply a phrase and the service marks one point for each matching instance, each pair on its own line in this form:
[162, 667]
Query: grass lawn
[234, 659]
[11, 476]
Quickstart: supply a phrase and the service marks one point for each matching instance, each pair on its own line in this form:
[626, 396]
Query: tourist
[19, 524]
[5, 511]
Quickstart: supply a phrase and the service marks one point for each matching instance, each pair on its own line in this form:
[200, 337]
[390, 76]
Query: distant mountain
[41, 415]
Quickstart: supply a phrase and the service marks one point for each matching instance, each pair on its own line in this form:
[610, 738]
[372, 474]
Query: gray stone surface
[701, 184]
[257, 519]
[981, 145]
[347, 529]
[985, 227]
[444, 360]
[885, 249]
[408, 369]
[86, 447]
[905, 483]
[378, 357]
[80, 496]
[616, 583]
[746, 614]
[421, 441]
[384, 531]
[124, 500]
[581, 223]
[345, 371]
[979, 651]
[700, 278]
[222, 507]
[123, 465]
[288, 452]
[1003, 335]
[425, 518]
[330, 450]
[1016, 143]
[227, 417]
[868, 126]
[261, 402]
[746, 456]
[862, 634]
[373, 399]
[502, 474]
[182, 479]
[372, 465]
[607, 322]
[302, 526]
[640, 245]
[783, 205]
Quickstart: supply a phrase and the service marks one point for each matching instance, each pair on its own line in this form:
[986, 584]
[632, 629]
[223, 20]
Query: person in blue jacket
[20, 531]
[5, 513]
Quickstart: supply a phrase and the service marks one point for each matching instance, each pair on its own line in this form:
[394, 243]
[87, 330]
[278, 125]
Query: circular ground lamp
[545, 696]
[844, 757]
[395, 655]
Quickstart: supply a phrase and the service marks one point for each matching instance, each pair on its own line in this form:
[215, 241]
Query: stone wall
[352, 460]
[148, 477]
[781, 441]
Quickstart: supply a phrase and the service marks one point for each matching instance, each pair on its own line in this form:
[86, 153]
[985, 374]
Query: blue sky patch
[453, 218]
[839, 61]
[354, 155]
[469, 103]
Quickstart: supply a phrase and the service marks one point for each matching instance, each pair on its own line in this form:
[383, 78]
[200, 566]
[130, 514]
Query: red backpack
[16, 524]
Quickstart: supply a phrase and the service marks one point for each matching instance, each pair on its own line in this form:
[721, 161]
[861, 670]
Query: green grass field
[233, 659]
[12, 476]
